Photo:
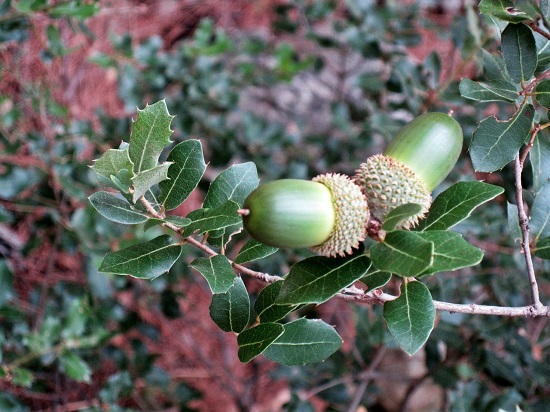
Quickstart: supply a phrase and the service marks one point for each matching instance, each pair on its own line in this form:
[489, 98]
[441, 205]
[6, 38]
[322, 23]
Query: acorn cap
[352, 215]
[388, 183]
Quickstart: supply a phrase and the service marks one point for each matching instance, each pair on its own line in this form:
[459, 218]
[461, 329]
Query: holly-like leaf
[375, 278]
[205, 220]
[496, 90]
[231, 310]
[317, 279]
[149, 136]
[112, 162]
[254, 250]
[184, 174]
[519, 51]
[456, 203]
[495, 143]
[503, 10]
[252, 342]
[146, 260]
[411, 316]
[543, 248]
[234, 183]
[75, 367]
[217, 271]
[403, 253]
[451, 251]
[540, 213]
[400, 214]
[540, 159]
[116, 209]
[143, 181]
[304, 341]
[266, 307]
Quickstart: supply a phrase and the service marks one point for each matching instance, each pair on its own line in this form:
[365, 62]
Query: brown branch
[535, 27]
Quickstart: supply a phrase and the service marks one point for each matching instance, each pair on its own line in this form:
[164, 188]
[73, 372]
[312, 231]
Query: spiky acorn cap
[328, 215]
[388, 183]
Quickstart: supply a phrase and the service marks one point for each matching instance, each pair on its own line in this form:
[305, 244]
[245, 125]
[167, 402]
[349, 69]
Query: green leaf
[496, 90]
[456, 203]
[495, 143]
[513, 221]
[217, 271]
[75, 368]
[375, 279]
[400, 214]
[149, 136]
[494, 68]
[112, 162]
[502, 10]
[252, 342]
[543, 248]
[540, 159]
[184, 174]
[411, 316]
[231, 310]
[205, 220]
[146, 260]
[317, 279]
[254, 250]
[403, 253]
[116, 209]
[542, 93]
[146, 179]
[6, 282]
[519, 51]
[540, 213]
[266, 307]
[234, 183]
[22, 377]
[304, 341]
[451, 251]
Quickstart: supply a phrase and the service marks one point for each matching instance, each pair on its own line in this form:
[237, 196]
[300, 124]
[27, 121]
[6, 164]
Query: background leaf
[540, 159]
[317, 279]
[403, 253]
[149, 136]
[75, 367]
[254, 250]
[543, 248]
[116, 209]
[411, 316]
[184, 174]
[231, 310]
[540, 213]
[456, 203]
[217, 271]
[519, 51]
[496, 143]
[252, 342]
[304, 341]
[6, 282]
[146, 260]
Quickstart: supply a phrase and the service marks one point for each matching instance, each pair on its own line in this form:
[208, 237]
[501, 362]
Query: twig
[366, 377]
[535, 27]
[524, 224]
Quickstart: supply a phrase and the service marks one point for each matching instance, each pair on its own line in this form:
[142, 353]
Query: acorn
[327, 214]
[416, 161]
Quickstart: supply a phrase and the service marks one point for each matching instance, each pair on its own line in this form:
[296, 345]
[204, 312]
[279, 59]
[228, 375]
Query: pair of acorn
[331, 213]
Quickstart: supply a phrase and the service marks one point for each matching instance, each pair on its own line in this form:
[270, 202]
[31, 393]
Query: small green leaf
[234, 183]
[496, 90]
[75, 368]
[451, 251]
[231, 310]
[116, 209]
[266, 307]
[411, 316]
[495, 143]
[205, 220]
[540, 213]
[217, 271]
[178, 221]
[494, 68]
[317, 279]
[252, 342]
[502, 10]
[375, 279]
[6, 282]
[400, 214]
[542, 93]
[143, 181]
[146, 260]
[543, 248]
[184, 174]
[254, 250]
[403, 253]
[540, 159]
[519, 51]
[456, 203]
[22, 377]
[149, 136]
[112, 162]
[304, 341]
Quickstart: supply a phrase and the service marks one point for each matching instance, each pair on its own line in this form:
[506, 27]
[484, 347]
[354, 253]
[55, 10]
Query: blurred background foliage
[298, 87]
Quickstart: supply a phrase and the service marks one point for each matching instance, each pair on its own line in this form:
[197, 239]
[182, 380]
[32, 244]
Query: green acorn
[328, 214]
[417, 160]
